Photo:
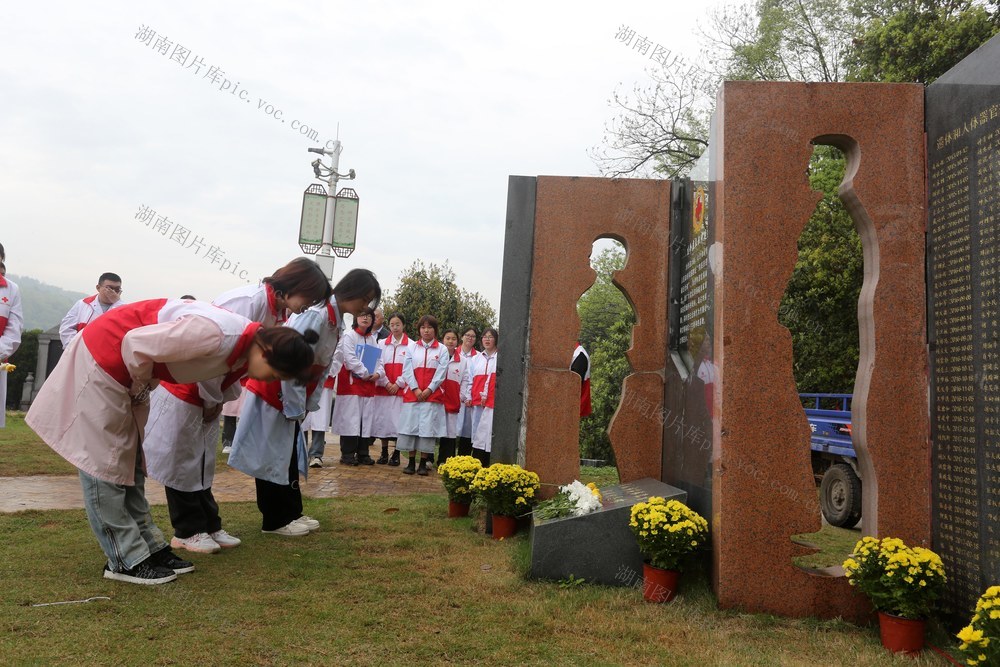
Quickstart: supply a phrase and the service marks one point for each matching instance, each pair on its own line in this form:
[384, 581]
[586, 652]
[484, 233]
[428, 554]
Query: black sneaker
[144, 573]
[382, 460]
[348, 461]
[422, 468]
[394, 459]
[366, 460]
[409, 469]
[166, 558]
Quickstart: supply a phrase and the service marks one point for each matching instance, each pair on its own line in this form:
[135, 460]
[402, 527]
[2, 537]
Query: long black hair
[286, 350]
[301, 276]
[359, 284]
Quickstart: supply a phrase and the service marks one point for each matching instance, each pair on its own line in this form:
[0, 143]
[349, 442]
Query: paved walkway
[49, 492]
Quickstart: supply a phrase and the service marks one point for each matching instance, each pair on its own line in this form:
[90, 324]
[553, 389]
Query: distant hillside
[44, 305]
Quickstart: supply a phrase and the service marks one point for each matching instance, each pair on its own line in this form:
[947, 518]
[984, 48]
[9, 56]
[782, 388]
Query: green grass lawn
[22, 453]
[385, 581]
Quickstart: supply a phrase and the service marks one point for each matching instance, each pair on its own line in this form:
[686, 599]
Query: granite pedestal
[598, 547]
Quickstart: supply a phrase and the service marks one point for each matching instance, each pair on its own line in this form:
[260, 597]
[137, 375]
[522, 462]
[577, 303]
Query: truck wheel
[840, 496]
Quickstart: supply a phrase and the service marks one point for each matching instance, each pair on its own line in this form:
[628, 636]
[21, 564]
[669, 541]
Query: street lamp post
[326, 255]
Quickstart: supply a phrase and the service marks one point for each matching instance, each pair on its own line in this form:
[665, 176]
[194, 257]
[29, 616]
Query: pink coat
[84, 410]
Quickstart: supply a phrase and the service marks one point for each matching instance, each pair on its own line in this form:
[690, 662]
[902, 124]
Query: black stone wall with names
[963, 258]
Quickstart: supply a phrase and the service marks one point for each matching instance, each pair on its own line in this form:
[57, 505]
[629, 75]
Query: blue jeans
[119, 516]
[318, 445]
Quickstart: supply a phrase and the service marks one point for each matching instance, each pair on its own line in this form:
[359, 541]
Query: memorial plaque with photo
[694, 279]
[692, 377]
[963, 177]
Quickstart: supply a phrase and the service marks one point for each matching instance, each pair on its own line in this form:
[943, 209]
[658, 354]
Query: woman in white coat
[11, 323]
[456, 390]
[269, 445]
[181, 437]
[92, 409]
[422, 420]
[467, 351]
[354, 411]
[291, 289]
[388, 399]
[484, 376]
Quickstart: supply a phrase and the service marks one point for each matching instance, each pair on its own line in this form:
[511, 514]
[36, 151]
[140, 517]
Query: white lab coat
[82, 313]
[11, 324]
[354, 411]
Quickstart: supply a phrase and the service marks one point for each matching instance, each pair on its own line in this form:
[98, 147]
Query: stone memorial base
[598, 547]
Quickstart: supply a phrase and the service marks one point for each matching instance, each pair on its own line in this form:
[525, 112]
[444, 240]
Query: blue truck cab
[834, 462]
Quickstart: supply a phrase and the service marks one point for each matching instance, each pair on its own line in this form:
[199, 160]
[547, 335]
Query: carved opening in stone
[607, 316]
[820, 309]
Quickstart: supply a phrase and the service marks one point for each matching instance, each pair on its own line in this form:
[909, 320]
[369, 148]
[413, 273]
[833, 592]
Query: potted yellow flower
[667, 531]
[508, 492]
[981, 637]
[457, 474]
[902, 583]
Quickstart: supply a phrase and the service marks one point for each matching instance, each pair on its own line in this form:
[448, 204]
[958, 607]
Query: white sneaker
[225, 540]
[316, 462]
[293, 529]
[226, 449]
[308, 522]
[199, 543]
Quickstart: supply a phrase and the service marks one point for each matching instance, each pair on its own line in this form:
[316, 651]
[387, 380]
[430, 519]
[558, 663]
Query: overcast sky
[437, 103]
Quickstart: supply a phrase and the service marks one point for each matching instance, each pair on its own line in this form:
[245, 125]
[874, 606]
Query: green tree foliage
[606, 321]
[430, 289]
[782, 40]
[24, 359]
[820, 304]
[659, 128]
[603, 304]
[916, 40]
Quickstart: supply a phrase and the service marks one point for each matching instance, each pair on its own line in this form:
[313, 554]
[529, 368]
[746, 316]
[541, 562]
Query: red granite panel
[552, 433]
[763, 486]
[570, 214]
[639, 423]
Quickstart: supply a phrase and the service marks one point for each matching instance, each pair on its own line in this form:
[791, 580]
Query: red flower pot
[503, 526]
[658, 585]
[456, 510]
[901, 635]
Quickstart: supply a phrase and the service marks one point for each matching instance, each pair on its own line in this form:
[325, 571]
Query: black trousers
[446, 449]
[280, 504]
[228, 430]
[193, 512]
[483, 456]
[465, 446]
[352, 445]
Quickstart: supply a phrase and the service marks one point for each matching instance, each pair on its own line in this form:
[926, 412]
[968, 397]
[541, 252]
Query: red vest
[393, 368]
[348, 384]
[425, 362]
[484, 378]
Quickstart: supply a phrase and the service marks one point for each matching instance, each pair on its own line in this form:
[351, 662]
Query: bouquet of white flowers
[574, 499]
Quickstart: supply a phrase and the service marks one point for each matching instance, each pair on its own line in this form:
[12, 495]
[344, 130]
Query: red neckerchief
[272, 304]
[244, 342]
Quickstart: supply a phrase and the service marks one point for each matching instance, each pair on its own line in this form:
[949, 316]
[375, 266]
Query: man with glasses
[85, 311]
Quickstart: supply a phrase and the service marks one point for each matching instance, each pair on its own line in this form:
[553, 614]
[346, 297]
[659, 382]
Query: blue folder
[369, 356]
